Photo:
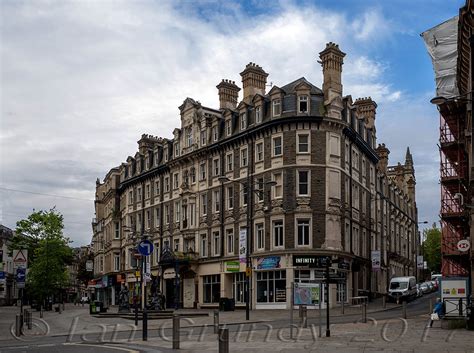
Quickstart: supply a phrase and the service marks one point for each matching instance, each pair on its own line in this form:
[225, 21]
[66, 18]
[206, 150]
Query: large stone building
[297, 163]
[8, 290]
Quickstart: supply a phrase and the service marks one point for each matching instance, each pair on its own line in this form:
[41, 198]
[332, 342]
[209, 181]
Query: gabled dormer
[276, 98]
[243, 110]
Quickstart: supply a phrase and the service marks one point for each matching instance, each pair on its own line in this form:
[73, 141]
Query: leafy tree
[432, 248]
[48, 252]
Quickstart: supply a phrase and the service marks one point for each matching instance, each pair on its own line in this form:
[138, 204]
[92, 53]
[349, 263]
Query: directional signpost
[145, 248]
[20, 277]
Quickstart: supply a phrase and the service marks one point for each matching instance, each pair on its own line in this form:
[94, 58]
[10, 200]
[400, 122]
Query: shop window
[271, 286]
[212, 288]
[238, 287]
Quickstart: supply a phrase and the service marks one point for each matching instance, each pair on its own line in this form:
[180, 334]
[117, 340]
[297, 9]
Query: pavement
[74, 330]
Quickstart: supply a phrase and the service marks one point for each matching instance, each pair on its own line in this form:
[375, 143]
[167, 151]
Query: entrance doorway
[170, 298]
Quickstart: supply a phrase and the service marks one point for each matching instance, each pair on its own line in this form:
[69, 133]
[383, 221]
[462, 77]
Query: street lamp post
[250, 191]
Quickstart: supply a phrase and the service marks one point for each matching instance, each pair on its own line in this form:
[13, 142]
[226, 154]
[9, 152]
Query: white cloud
[83, 80]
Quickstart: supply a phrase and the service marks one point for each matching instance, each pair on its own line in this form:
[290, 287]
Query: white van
[402, 288]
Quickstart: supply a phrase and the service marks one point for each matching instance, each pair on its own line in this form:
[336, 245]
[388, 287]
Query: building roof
[290, 87]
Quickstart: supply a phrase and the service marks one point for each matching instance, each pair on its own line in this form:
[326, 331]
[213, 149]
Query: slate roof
[290, 87]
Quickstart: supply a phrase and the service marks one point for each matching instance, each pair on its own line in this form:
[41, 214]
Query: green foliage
[432, 248]
[48, 251]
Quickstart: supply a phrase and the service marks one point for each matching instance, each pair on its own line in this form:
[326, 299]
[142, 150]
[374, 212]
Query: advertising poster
[268, 263]
[375, 260]
[243, 246]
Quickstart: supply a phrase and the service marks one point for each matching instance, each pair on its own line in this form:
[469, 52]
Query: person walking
[437, 311]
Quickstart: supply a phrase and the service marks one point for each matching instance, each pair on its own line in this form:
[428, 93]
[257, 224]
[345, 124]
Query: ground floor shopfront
[270, 283]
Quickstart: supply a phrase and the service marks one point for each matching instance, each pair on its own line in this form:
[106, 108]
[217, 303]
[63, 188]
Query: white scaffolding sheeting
[442, 44]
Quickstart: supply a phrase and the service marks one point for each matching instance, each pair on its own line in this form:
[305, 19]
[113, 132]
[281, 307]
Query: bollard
[59, 308]
[384, 301]
[18, 325]
[404, 309]
[30, 319]
[64, 306]
[300, 311]
[41, 312]
[431, 305]
[342, 306]
[216, 321]
[304, 316]
[364, 312]
[175, 331]
[223, 337]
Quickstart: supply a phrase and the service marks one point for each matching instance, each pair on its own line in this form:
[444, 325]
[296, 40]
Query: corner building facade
[297, 163]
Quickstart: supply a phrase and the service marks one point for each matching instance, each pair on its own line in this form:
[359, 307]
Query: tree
[48, 251]
[432, 248]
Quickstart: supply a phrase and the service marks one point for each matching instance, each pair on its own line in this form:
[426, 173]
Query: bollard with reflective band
[364, 312]
[145, 325]
[223, 337]
[175, 331]
[384, 301]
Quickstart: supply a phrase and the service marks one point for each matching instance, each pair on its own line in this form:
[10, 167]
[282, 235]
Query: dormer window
[215, 133]
[258, 115]
[203, 137]
[243, 121]
[228, 127]
[189, 136]
[276, 107]
[176, 149]
[303, 104]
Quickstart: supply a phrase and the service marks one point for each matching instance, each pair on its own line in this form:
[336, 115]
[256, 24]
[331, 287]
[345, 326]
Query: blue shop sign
[268, 263]
[2, 275]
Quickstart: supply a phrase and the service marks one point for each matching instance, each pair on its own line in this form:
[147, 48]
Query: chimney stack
[332, 59]
[228, 94]
[366, 108]
[254, 79]
[383, 153]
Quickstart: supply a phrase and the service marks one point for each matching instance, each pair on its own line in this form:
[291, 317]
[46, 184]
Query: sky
[81, 81]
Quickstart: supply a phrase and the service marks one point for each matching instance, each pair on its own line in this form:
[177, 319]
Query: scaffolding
[454, 189]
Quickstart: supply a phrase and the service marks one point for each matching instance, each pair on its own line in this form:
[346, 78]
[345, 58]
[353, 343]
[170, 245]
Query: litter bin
[92, 308]
[227, 304]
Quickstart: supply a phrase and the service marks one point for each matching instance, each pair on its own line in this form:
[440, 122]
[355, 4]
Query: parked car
[430, 286]
[402, 288]
[425, 288]
[419, 291]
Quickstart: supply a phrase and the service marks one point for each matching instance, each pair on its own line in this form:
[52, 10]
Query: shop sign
[268, 263]
[2, 275]
[119, 279]
[104, 281]
[232, 266]
[311, 261]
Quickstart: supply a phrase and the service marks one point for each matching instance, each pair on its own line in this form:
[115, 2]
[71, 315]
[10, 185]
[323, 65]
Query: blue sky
[81, 81]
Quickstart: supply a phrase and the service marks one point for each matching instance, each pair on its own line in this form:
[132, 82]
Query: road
[109, 341]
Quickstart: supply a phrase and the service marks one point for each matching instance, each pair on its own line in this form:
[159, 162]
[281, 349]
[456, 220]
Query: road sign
[248, 271]
[463, 245]
[20, 277]
[145, 247]
[20, 258]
